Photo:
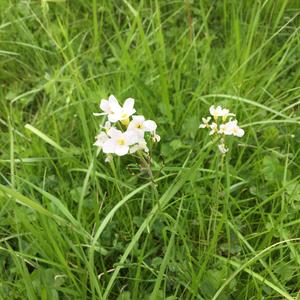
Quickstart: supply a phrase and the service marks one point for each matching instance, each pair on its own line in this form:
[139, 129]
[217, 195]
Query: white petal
[132, 125]
[202, 126]
[206, 120]
[128, 112]
[228, 131]
[222, 148]
[150, 125]
[224, 112]
[128, 107]
[240, 132]
[134, 148]
[104, 105]
[219, 110]
[138, 119]
[114, 104]
[131, 137]
[102, 136]
[114, 117]
[128, 104]
[121, 150]
[109, 146]
[98, 143]
[114, 133]
[213, 125]
[212, 110]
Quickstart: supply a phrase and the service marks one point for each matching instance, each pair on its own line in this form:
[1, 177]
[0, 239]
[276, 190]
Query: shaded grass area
[73, 227]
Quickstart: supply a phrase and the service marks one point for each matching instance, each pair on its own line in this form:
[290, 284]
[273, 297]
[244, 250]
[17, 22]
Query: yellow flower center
[138, 125]
[121, 141]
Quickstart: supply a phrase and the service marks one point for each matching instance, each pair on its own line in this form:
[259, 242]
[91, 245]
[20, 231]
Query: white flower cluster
[220, 127]
[124, 132]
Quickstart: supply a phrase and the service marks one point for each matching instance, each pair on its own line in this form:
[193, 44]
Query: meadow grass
[75, 227]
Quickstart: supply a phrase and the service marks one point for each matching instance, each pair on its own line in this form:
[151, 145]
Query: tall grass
[71, 227]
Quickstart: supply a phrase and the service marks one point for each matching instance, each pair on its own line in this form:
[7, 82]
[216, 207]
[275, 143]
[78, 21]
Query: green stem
[147, 164]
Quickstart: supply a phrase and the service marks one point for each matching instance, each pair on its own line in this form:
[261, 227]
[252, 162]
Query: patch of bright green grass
[72, 227]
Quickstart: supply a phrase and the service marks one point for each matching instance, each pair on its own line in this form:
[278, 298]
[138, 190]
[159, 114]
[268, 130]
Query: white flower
[119, 141]
[141, 145]
[226, 128]
[126, 111]
[220, 112]
[225, 114]
[140, 125]
[114, 111]
[131, 137]
[216, 111]
[231, 128]
[205, 122]
[101, 139]
[110, 108]
[214, 128]
[222, 148]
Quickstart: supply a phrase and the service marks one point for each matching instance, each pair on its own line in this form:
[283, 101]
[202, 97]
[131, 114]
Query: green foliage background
[74, 227]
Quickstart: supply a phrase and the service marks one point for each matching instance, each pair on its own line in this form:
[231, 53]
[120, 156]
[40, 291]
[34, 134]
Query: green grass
[73, 227]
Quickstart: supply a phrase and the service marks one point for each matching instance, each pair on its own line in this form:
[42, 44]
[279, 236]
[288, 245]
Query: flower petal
[240, 132]
[128, 104]
[121, 150]
[109, 146]
[114, 117]
[114, 133]
[150, 125]
[114, 104]
[212, 110]
[104, 105]
[138, 119]
[131, 137]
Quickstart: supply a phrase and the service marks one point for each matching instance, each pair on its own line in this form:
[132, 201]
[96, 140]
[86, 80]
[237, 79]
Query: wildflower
[205, 122]
[126, 139]
[109, 107]
[101, 139]
[214, 128]
[216, 111]
[140, 125]
[119, 141]
[115, 111]
[126, 111]
[141, 145]
[231, 128]
[225, 114]
[220, 128]
[222, 148]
